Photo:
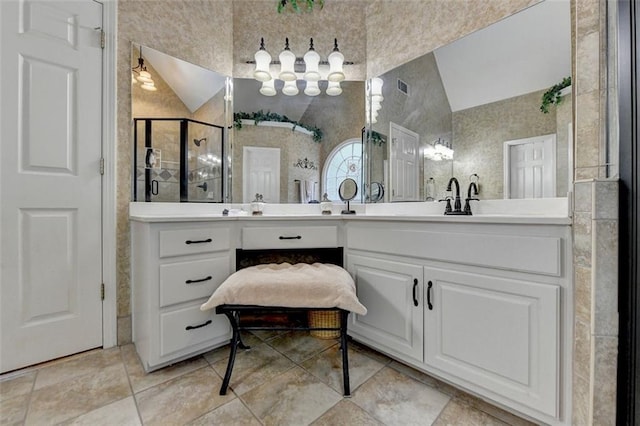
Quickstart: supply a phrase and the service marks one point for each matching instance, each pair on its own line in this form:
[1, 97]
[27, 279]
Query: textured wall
[196, 31]
[399, 31]
[479, 134]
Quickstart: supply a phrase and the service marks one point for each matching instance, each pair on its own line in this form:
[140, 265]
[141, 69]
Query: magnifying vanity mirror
[471, 109]
[347, 191]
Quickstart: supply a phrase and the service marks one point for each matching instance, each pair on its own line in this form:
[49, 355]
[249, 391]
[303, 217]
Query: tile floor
[285, 379]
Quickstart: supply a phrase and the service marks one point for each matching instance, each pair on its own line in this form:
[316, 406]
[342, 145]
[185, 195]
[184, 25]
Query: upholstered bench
[286, 288]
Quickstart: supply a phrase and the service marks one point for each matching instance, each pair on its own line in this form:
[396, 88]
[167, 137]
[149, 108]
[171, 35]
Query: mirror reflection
[471, 109]
[302, 146]
[178, 112]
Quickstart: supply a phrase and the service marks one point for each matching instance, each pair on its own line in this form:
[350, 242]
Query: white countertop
[398, 212]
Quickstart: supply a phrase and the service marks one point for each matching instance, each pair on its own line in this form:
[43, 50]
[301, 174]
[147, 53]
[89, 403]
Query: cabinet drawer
[183, 281]
[289, 237]
[192, 241]
[189, 326]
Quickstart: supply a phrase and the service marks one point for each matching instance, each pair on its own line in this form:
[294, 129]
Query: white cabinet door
[392, 293]
[500, 334]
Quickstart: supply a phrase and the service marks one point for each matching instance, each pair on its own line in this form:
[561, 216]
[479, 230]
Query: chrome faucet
[472, 191]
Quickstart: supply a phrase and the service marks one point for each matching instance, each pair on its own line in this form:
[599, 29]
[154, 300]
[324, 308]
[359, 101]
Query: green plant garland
[295, 5]
[553, 96]
[376, 138]
[272, 116]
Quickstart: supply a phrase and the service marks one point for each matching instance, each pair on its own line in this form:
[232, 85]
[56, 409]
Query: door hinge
[102, 39]
[101, 291]
[102, 165]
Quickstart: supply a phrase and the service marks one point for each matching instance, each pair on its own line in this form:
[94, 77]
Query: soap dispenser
[326, 204]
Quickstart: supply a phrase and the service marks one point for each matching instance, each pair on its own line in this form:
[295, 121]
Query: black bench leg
[345, 352]
[235, 342]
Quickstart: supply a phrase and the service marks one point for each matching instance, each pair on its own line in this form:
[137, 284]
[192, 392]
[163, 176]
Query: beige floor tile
[231, 413]
[76, 367]
[182, 399]
[327, 366]
[380, 357]
[13, 386]
[13, 410]
[253, 367]
[395, 399]
[293, 398]
[121, 413]
[71, 398]
[424, 378]
[456, 413]
[223, 352]
[495, 412]
[346, 413]
[299, 345]
[265, 335]
[141, 380]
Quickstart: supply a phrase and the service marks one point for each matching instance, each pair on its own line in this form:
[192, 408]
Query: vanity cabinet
[392, 293]
[175, 268]
[490, 312]
[498, 333]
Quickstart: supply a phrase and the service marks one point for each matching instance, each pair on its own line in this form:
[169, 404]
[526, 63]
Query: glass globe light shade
[334, 89]
[336, 60]
[376, 89]
[290, 88]
[144, 77]
[263, 59]
[149, 85]
[312, 88]
[287, 61]
[268, 88]
[311, 62]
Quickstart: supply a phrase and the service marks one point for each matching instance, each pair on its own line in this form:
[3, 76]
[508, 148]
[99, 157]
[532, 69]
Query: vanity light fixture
[374, 99]
[290, 70]
[141, 74]
[439, 150]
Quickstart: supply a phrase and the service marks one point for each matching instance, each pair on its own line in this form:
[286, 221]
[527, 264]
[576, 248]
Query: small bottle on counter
[257, 205]
[326, 205]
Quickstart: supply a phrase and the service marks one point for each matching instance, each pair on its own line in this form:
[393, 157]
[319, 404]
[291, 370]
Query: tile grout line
[133, 395]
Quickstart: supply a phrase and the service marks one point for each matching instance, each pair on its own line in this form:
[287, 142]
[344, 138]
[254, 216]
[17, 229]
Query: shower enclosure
[177, 160]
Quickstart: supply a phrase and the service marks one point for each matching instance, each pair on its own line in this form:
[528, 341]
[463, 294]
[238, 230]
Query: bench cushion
[302, 285]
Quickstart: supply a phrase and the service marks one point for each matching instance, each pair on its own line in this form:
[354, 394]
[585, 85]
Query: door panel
[261, 174]
[388, 289]
[530, 167]
[404, 156]
[501, 334]
[50, 222]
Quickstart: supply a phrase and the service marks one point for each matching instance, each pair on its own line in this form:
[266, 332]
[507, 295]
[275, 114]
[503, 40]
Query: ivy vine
[376, 138]
[259, 116]
[297, 5]
[553, 96]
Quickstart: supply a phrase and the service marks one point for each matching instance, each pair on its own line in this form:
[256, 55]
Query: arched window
[345, 161]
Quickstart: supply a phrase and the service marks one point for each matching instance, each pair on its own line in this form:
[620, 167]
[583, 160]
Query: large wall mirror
[180, 129]
[287, 163]
[471, 109]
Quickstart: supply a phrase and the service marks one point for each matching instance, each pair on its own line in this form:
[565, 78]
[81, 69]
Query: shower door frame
[184, 156]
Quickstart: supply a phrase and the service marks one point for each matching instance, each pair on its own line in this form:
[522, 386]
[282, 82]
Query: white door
[404, 163]
[261, 174]
[530, 167]
[50, 182]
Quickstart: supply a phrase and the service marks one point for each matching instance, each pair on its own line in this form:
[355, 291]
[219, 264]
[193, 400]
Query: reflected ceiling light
[336, 60]
[376, 90]
[314, 70]
[263, 59]
[268, 88]
[311, 63]
[141, 74]
[312, 88]
[374, 100]
[290, 88]
[287, 63]
[149, 85]
[334, 89]
[439, 150]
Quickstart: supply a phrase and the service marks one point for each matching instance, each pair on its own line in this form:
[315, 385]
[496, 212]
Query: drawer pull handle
[429, 304]
[193, 327]
[198, 281]
[208, 240]
[297, 237]
[415, 296]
